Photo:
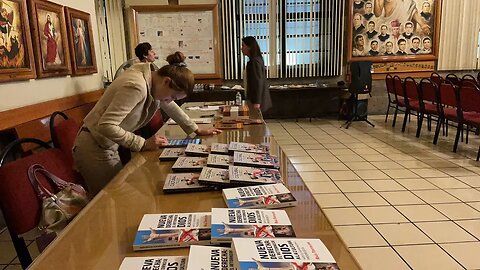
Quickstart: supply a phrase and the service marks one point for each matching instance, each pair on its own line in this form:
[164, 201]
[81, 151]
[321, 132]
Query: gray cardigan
[257, 86]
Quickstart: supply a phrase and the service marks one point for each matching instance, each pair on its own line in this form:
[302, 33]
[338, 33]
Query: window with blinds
[298, 38]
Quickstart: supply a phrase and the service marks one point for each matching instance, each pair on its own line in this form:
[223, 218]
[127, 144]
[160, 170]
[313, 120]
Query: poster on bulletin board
[192, 30]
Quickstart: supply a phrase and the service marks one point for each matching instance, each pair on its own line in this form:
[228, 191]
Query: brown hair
[182, 77]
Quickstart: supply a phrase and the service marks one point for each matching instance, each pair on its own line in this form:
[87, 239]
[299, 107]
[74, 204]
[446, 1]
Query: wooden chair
[18, 201]
[63, 134]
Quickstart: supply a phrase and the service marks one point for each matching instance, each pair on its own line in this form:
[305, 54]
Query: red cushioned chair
[390, 93]
[469, 110]
[399, 97]
[428, 97]
[412, 103]
[453, 79]
[63, 134]
[18, 201]
[469, 79]
[448, 107]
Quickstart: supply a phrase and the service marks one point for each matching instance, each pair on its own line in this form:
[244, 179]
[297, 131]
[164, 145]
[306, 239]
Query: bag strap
[41, 191]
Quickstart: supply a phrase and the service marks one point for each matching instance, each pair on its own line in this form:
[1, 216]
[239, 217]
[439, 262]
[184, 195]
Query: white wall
[22, 93]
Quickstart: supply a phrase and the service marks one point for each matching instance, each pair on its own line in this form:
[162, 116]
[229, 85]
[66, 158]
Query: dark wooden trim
[12, 118]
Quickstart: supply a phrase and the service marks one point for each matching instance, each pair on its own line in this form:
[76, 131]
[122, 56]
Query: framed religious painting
[49, 30]
[394, 31]
[80, 42]
[16, 54]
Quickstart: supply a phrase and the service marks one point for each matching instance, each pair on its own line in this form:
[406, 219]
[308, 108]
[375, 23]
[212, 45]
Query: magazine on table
[197, 150]
[158, 263]
[184, 182]
[209, 257]
[189, 164]
[248, 147]
[253, 175]
[171, 154]
[214, 177]
[219, 148]
[255, 160]
[219, 161]
[261, 196]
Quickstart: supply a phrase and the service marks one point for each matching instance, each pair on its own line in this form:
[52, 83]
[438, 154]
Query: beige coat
[128, 105]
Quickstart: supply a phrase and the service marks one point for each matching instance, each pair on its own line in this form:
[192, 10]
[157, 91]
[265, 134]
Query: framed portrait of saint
[49, 39]
[16, 54]
[393, 30]
[80, 41]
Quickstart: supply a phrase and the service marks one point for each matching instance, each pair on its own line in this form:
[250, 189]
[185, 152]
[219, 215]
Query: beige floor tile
[14, 267]
[375, 158]
[332, 166]
[332, 200]
[338, 152]
[360, 165]
[388, 150]
[402, 234]
[386, 165]
[465, 195]
[465, 253]
[296, 153]
[413, 164]
[319, 152]
[360, 236]
[471, 226]
[325, 158]
[470, 180]
[382, 214]
[385, 258]
[292, 147]
[371, 174]
[399, 173]
[402, 156]
[401, 197]
[314, 176]
[7, 252]
[347, 158]
[4, 235]
[429, 173]
[295, 160]
[366, 199]
[416, 184]
[475, 205]
[435, 196]
[342, 175]
[419, 213]
[312, 146]
[440, 163]
[322, 187]
[445, 232]
[310, 140]
[365, 151]
[427, 257]
[457, 211]
[307, 167]
[353, 186]
[447, 182]
[344, 216]
[458, 171]
[357, 145]
[334, 146]
[384, 185]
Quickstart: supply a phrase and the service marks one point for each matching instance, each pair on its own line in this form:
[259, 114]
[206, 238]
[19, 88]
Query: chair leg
[478, 153]
[419, 126]
[457, 137]
[395, 116]
[429, 122]
[466, 135]
[407, 116]
[437, 130]
[446, 127]
[22, 250]
[388, 110]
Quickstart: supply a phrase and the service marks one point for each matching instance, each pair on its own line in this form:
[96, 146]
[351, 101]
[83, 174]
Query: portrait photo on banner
[82, 49]
[393, 29]
[50, 39]
[16, 55]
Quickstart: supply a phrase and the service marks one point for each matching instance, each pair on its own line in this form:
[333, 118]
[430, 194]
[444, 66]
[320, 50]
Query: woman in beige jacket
[128, 104]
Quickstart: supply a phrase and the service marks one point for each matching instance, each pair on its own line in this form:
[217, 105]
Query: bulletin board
[192, 30]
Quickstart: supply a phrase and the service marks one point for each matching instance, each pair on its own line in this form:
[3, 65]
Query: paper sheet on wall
[188, 32]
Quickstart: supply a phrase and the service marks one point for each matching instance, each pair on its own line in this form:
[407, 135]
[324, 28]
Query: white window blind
[298, 38]
[459, 35]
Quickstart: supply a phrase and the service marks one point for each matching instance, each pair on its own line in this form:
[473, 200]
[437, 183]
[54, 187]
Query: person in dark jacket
[256, 87]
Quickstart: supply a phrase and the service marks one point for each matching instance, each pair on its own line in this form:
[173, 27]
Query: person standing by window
[255, 81]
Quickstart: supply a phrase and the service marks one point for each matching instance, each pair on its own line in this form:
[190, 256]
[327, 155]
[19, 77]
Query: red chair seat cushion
[450, 113]
[472, 118]
[430, 108]
[414, 104]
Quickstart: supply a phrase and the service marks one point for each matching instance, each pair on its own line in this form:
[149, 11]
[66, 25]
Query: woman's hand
[209, 131]
[154, 142]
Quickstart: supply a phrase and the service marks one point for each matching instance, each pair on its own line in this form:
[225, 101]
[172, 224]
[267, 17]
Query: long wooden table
[103, 233]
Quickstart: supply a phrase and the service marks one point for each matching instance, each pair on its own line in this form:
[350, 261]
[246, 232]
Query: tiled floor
[396, 201]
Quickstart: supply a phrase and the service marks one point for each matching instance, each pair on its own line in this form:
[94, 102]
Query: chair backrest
[469, 98]
[63, 134]
[18, 200]
[453, 79]
[410, 88]
[398, 86]
[436, 78]
[469, 79]
[428, 90]
[448, 94]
